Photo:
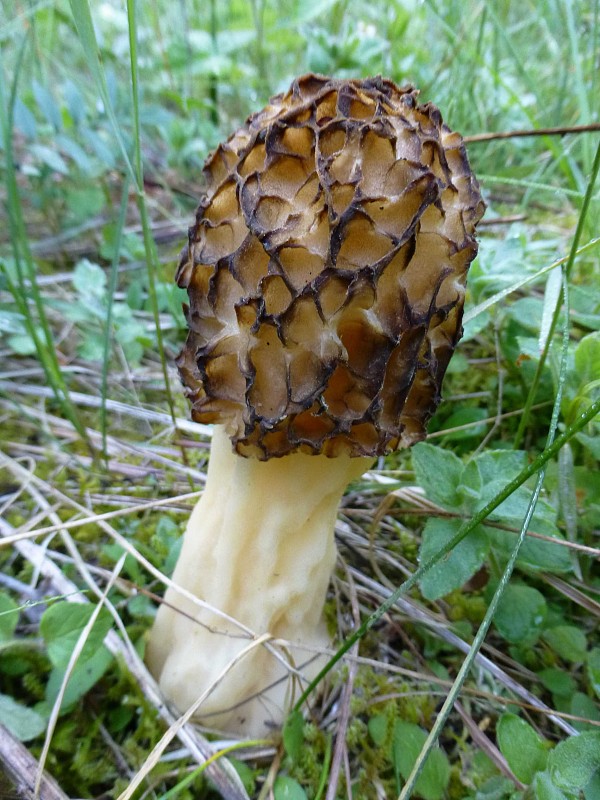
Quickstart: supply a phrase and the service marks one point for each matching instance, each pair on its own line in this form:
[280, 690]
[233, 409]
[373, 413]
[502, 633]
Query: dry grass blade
[173, 730]
[221, 773]
[421, 615]
[573, 593]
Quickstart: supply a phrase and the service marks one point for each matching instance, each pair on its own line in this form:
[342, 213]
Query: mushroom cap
[326, 271]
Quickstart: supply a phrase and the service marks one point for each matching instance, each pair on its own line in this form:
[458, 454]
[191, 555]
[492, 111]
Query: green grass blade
[85, 28]
[465, 668]
[112, 288]
[499, 296]
[532, 469]
[524, 421]
[26, 278]
[149, 245]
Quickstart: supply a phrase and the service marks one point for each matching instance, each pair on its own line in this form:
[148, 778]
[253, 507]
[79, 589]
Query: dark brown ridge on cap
[326, 271]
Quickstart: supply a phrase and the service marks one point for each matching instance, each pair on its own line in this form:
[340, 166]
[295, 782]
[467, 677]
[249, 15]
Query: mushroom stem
[259, 547]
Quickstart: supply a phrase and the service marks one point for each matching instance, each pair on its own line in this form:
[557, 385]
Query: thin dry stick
[487, 746]
[222, 774]
[344, 717]
[561, 130]
[20, 766]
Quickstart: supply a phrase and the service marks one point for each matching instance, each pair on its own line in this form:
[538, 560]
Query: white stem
[259, 547]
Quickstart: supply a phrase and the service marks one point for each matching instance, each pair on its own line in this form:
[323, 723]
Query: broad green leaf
[591, 442]
[536, 554]
[568, 642]
[575, 761]
[293, 735]
[545, 789]
[520, 614]
[500, 465]
[286, 788]
[50, 158]
[85, 675]
[22, 722]
[496, 788]
[408, 740]
[583, 706]
[459, 565]
[61, 626]
[24, 119]
[521, 746]
[587, 359]
[438, 473]
[557, 681]
[47, 105]
[378, 726]
[593, 669]
[9, 616]
[472, 417]
[89, 280]
[245, 773]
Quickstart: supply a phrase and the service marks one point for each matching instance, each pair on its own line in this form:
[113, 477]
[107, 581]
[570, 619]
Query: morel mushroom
[326, 279]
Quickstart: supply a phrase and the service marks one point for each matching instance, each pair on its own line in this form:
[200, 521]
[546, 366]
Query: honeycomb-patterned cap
[326, 271]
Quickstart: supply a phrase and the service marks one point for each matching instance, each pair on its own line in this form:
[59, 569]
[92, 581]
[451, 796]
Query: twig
[21, 767]
[561, 130]
[344, 717]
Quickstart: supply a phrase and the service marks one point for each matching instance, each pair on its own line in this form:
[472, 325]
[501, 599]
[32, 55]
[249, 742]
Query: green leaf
[378, 726]
[520, 614]
[465, 416]
[459, 565]
[24, 119]
[22, 722]
[286, 788]
[521, 746]
[500, 465]
[587, 359]
[591, 442]
[496, 788]
[47, 105]
[89, 280]
[568, 642]
[551, 298]
[407, 743]
[438, 473]
[61, 626]
[557, 681]
[50, 158]
[584, 706]
[545, 789]
[575, 761]
[593, 669]
[293, 735]
[535, 554]
[9, 616]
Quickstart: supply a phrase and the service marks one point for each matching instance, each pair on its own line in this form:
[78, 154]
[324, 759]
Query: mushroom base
[259, 547]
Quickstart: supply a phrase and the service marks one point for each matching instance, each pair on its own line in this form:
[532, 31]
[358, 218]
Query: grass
[467, 662]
